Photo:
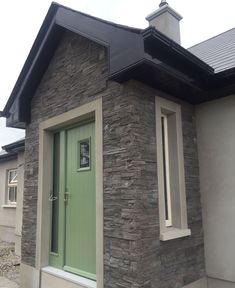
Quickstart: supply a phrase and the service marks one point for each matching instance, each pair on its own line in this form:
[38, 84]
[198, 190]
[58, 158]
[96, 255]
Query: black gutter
[15, 146]
[8, 156]
[151, 34]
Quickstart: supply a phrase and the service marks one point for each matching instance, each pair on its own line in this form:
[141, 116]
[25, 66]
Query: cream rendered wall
[216, 144]
[7, 214]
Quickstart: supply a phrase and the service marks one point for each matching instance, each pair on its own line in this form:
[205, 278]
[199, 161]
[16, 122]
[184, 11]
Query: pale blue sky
[21, 20]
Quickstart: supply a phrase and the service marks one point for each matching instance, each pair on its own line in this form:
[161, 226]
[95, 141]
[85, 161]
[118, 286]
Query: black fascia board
[37, 70]
[15, 146]
[31, 57]
[163, 78]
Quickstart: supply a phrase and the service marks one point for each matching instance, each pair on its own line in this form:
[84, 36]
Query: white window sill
[174, 233]
[84, 282]
[9, 206]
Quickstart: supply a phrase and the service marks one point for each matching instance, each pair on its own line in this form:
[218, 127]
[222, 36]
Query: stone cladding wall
[133, 255]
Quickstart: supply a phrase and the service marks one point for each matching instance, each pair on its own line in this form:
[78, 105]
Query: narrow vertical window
[55, 194]
[170, 171]
[166, 171]
[12, 187]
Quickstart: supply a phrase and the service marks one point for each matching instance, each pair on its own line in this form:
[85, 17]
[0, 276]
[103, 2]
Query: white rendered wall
[216, 144]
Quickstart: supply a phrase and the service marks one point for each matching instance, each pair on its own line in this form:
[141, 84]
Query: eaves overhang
[11, 150]
[164, 78]
[7, 156]
[156, 43]
[15, 146]
[145, 55]
[171, 68]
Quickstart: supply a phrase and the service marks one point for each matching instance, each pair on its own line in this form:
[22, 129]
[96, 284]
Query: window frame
[13, 184]
[178, 225]
[91, 110]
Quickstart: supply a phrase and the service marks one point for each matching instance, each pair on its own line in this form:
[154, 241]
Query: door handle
[66, 197]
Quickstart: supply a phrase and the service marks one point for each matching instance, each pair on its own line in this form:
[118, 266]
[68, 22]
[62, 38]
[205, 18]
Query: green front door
[80, 206]
[76, 209]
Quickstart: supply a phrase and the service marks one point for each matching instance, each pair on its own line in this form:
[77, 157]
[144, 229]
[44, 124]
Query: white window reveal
[12, 187]
[170, 161]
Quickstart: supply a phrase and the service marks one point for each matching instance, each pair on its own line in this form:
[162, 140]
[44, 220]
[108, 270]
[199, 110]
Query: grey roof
[218, 52]
[10, 151]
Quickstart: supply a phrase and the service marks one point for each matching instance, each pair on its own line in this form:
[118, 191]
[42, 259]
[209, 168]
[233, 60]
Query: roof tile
[218, 52]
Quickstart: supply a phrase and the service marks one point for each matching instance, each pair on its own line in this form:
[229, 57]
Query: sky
[20, 21]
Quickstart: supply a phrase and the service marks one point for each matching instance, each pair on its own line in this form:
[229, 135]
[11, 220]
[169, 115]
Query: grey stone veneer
[134, 257]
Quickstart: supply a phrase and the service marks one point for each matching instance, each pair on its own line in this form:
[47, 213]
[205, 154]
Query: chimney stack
[166, 20]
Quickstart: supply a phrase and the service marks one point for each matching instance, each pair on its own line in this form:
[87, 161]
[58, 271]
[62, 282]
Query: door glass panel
[55, 194]
[84, 154]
